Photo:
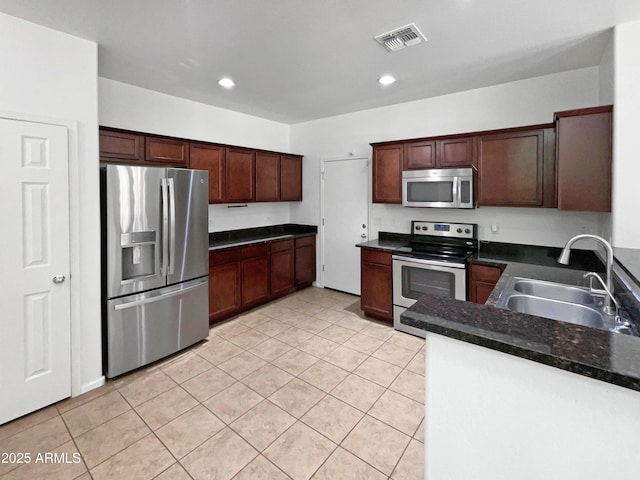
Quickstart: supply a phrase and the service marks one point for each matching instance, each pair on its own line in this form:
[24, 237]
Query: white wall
[494, 416]
[51, 75]
[134, 108]
[626, 120]
[525, 102]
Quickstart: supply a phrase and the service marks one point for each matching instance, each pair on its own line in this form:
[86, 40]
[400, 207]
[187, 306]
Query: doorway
[345, 193]
[35, 345]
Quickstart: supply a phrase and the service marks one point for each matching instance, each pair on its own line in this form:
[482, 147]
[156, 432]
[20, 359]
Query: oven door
[413, 277]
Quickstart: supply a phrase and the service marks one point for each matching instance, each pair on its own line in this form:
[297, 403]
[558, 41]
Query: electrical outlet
[495, 228]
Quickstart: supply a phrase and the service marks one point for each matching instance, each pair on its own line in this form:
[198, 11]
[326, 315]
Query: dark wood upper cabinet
[166, 151]
[516, 168]
[291, 178]
[419, 155]
[456, 152]
[584, 159]
[236, 174]
[121, 146]
[240, 174]
[210, 158]
[267, 177]
[388, 162]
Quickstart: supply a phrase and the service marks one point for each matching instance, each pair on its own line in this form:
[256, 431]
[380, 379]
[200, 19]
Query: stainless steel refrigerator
[155, 263]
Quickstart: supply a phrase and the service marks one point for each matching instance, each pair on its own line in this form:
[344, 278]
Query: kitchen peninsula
[520, 396]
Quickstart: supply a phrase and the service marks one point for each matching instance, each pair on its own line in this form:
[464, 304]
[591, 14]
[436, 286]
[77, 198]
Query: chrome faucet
[608, 308]
[610, 311]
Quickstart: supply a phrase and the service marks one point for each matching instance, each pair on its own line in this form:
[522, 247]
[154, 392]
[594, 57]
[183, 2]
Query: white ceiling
[299, 60]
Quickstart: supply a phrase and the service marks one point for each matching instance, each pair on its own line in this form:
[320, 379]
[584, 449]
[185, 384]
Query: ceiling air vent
[397, 39]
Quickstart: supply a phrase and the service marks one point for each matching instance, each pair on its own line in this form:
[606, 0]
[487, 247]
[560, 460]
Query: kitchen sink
[558, 301]
[556, 310]
[553, 291]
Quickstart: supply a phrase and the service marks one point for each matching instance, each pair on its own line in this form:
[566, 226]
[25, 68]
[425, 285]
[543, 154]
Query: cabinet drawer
[254, 251]
[225, 256]
[485, 273]
[281, 245]
[301, 242]
[376, 256]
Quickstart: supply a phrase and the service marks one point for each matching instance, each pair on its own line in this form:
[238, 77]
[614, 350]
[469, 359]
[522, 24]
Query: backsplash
[224, 217]
[530, 226]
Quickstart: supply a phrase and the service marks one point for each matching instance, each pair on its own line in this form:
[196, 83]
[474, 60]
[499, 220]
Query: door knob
[364, 235]
[58, 279]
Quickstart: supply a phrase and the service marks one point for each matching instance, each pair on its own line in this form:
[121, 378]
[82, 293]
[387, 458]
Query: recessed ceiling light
[226, 82]
[386, 80]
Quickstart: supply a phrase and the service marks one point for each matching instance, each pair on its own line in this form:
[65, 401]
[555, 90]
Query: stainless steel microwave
[439, 188]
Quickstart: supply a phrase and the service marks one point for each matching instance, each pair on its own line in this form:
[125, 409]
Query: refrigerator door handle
[165, 227]
[157, 298]
[172, 225]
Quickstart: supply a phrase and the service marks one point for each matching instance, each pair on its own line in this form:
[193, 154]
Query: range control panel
[441, 229]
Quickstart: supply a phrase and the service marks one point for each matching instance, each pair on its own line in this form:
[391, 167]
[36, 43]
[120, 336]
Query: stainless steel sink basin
[556, 309]
[558, 301]
[553, 291]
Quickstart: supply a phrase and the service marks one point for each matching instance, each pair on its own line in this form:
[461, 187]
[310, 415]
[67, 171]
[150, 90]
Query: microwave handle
[457, 190]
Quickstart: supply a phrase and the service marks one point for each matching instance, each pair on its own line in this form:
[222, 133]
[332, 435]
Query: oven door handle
[434, 263]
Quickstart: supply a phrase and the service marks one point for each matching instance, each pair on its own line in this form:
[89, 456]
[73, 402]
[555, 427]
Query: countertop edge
[409, 318]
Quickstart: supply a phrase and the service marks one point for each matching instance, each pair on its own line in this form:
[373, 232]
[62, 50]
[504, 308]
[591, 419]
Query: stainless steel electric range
[435, 262]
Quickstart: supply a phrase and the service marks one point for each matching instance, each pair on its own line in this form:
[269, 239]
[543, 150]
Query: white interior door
[345, 209]
[35, 322]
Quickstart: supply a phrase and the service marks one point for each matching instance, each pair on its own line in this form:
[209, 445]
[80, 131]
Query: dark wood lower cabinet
[282, 267]
[305, 261]
[224, 284]
[376, 289]
[244, 277]
[482, 280]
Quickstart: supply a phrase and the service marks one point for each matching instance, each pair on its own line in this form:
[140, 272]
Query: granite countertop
[248, 236]
[599, 354]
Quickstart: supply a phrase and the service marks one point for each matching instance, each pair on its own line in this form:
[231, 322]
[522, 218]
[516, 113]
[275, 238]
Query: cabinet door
[224, 290]
[282, 272]
[240, 175]
[166, 151]
[267, 177]
[511, 169]
[376, 295]
[482, 280]
[291, 178]
[387, 174]
[120, 145]
[455, 152]
[305, 270]
[419, 155]
[255, 280]
[210, 158]
[584, 161]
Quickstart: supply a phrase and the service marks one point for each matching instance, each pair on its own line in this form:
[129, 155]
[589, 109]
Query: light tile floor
[304, 387]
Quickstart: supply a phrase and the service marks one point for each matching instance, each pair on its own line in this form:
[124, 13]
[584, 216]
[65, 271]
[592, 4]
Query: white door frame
[74, 236]
[323, 161]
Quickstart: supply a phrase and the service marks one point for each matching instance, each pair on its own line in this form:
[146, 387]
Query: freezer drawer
[145, 327]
